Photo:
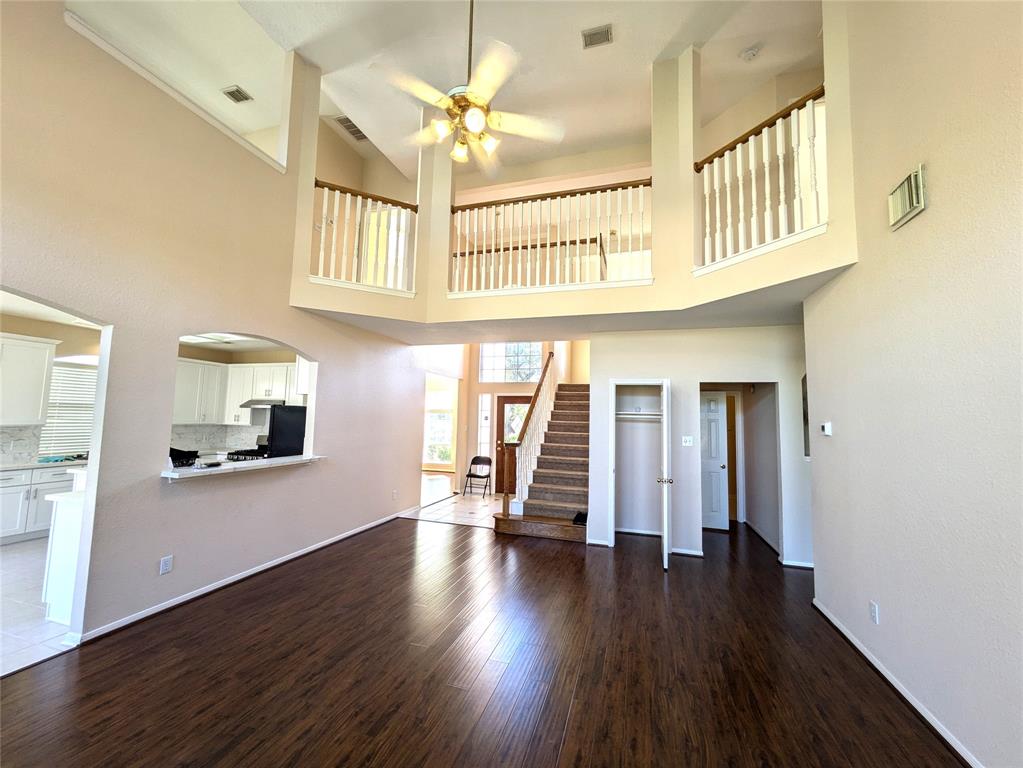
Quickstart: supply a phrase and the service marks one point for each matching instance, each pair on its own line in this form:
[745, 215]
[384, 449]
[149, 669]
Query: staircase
[557, 503]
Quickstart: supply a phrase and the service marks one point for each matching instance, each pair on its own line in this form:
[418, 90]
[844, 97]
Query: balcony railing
[766, 188]
[363, 240]
[574, 239]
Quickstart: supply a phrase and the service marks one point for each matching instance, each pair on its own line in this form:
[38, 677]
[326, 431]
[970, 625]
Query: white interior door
[714, 459]
[666, 473]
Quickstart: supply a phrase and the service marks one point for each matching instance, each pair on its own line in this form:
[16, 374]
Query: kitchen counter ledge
[230, 467]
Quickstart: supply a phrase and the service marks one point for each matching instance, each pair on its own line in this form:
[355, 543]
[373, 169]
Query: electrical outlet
[394, 494]
[875, 612]
[687, 441]
[166, 564]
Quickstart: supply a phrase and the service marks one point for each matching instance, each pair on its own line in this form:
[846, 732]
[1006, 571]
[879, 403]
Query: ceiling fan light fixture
[474, 119]
[442, 128]
[460, 152]
[489, 143]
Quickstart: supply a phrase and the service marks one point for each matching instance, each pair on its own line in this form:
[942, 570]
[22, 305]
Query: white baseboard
[640, 531]
[795, 563]
[598, 542]
[515, 508]
[914, 702]
[684, 551]
[139, 615]
[71, 639]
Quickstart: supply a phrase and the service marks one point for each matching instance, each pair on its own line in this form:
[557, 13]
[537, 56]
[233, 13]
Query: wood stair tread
[574, 490]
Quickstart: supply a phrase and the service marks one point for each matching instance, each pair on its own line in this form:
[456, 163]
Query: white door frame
[613, 385]
[740, 457]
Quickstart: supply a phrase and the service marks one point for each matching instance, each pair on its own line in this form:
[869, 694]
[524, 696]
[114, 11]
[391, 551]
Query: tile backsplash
[214, 437]
[19, 445]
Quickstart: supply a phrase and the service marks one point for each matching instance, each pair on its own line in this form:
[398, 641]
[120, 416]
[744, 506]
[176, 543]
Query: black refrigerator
[287, 430]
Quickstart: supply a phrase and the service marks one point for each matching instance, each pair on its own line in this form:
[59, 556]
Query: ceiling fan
[469, 114]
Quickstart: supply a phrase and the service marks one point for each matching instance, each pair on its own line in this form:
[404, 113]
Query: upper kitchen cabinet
[199, 392]
[26, 363]
[240, 385]
[271, 381]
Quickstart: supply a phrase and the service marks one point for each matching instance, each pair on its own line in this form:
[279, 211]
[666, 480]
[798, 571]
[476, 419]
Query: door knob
[722, 466]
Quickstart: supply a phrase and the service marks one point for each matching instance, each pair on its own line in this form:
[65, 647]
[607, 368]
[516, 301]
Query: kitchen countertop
[42, 465]
[230, 467]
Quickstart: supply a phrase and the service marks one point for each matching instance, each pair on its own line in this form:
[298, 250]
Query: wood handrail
[551, 195]
[816, 93]
[367, 195]
[532, 400]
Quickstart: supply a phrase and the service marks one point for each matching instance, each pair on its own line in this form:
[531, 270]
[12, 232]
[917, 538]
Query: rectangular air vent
[907, 199]
[236, 93]
[353, 130]
[597, 36]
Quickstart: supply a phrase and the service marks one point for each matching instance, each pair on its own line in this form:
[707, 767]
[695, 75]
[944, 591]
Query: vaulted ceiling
[601, 95]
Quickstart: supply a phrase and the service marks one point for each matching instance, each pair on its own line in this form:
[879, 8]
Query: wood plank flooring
[424, 644]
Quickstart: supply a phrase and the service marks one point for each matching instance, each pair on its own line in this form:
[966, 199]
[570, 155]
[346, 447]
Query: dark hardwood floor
[425, 644]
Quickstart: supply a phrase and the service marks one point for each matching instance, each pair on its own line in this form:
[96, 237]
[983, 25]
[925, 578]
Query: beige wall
[279, 355]
[265, 139]
[381, 178]
[687, 358]
[763, 102]
[580, 362]
[157, 261]
[914, 356]
[74, 340]
[336, 161]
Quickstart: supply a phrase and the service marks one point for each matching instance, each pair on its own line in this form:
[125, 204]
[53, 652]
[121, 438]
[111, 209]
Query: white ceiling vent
[236, 93]
[353, 130]
[597, 36]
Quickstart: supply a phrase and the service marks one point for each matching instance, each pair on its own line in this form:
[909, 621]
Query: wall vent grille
[907, 199]
[236, 93]
[597, 36]
[353, 130]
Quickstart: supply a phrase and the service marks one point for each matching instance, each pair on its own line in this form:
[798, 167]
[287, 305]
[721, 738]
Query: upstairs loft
[700, 231]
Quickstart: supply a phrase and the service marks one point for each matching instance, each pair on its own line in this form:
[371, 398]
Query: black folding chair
[476, 474]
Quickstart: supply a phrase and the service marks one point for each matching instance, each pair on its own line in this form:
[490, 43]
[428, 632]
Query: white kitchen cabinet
[40, 511]
[199, 391]
[26, 363]
[271, 381]
[14, 504]
[239, 389]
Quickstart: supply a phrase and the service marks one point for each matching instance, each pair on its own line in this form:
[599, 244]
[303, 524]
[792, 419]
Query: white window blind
[69, 415]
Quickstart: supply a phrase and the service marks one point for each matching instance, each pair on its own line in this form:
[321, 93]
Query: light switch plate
[687, 441]
[826, 428]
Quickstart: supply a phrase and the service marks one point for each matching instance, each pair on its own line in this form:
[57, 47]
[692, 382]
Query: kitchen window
[510, 362]
[70, 411]
[439, 428]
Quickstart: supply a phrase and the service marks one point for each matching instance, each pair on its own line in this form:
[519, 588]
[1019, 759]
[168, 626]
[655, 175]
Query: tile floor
[25, 635]
[461, 510]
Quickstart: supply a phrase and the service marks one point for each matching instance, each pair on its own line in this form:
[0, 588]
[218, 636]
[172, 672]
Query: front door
[511, 412]
[714, 459]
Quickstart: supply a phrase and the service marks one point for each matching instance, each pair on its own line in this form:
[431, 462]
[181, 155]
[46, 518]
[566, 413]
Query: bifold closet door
[667, 481]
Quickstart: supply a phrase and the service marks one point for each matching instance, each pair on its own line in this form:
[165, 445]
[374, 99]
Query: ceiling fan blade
[530, 127]
[487, 163]
[496, 66]
[419, 89]
[434, 133]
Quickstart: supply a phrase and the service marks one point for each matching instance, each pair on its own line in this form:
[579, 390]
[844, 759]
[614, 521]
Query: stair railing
[521, 455]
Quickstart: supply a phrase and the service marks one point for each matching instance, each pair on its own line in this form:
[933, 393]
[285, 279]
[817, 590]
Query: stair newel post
[508, 479]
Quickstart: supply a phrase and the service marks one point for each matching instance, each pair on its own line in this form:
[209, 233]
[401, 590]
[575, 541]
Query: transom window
[512, 361]
[439, 429]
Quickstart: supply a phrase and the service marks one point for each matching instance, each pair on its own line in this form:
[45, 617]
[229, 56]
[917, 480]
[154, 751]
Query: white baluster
[768, 213]
[557, 264]
[740, 168]
[357, 261]
[708, 243]
[633, 256]
[578, 238]
[797, 171]
[811, 135]
[323, 230]
[642, 227]
[475, 241]
[717, 208]
[518, 249]
[754, 226]
[621, 229]
[504, 216]
[600, 238]
[729, 240]
[406, 253]
[333, 234]
[529, 240]
[344, 237]
[389, 266]
[783, 206]
[589, 210]
[550, 219]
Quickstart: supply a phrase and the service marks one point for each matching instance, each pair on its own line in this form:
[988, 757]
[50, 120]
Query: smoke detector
[748, 54]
